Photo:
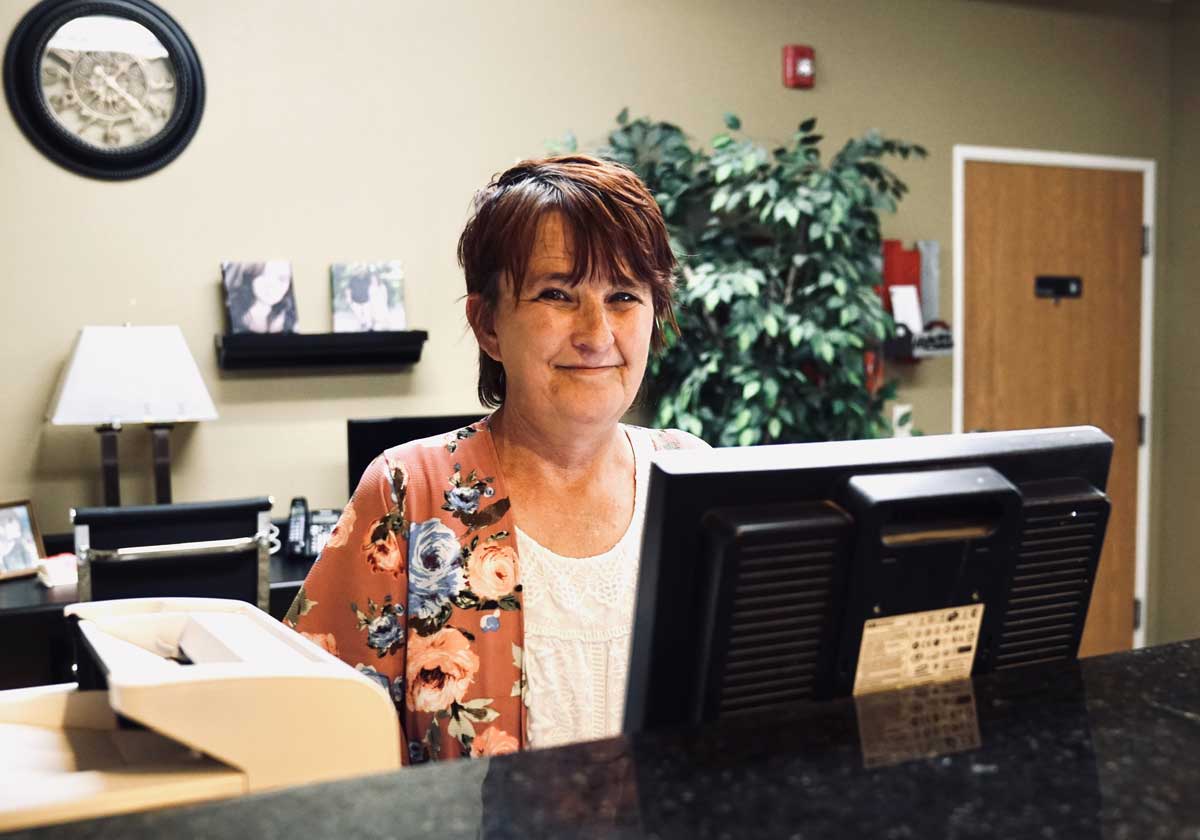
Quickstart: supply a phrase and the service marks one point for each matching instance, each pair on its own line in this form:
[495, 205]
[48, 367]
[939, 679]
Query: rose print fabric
[419, 588]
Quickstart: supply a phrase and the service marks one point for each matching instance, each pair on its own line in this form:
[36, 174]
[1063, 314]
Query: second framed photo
[368, 296]
[20, 540]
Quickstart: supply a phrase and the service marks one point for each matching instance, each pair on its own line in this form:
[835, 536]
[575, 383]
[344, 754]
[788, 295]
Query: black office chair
[367, 438]
[197, 549]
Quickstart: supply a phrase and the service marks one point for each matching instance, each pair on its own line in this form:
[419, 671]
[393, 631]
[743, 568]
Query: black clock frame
[22, 87]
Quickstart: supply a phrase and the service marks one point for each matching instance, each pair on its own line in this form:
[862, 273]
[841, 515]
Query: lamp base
[108, 464]
[162, 462]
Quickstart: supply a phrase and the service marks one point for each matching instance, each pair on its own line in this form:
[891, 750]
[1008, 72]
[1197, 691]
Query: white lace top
[578, 624]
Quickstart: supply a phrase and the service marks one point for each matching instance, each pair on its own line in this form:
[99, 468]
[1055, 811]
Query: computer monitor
[365, 439]
[774, 575]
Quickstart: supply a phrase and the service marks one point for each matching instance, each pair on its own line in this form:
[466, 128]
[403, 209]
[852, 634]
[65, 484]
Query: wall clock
[106, 88]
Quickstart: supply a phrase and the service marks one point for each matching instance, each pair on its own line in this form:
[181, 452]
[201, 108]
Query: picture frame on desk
[20, 540]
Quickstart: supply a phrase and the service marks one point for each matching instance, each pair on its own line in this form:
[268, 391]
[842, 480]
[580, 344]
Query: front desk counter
[1105, 748]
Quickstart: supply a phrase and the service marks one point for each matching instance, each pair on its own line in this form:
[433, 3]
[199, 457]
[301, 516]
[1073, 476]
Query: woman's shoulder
[666, 439]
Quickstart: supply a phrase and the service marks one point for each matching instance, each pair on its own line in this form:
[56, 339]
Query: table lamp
[122, 375]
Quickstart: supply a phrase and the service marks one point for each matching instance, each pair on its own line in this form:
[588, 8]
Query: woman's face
[272, 284]
[570, 354]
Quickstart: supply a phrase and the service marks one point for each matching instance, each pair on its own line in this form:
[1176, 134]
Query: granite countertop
[1108, 747]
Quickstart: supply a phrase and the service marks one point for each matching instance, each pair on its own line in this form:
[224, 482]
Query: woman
[487, 577]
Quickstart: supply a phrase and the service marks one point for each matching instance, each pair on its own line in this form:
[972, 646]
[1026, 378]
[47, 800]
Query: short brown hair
[612, 222]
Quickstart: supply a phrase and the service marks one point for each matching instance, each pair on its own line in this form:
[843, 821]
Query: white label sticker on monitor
[915, 648]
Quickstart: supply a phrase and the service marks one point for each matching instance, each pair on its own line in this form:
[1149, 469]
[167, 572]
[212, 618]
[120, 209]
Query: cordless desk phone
[308, 531]
[297, 527]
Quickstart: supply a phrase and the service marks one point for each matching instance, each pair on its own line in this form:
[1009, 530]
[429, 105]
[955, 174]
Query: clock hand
[112, 83]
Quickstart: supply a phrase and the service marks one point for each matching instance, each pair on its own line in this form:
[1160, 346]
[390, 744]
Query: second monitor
[368, 437]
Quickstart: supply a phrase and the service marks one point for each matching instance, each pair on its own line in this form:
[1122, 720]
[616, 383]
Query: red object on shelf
[873, 370]
[901, 267]
[799, 66]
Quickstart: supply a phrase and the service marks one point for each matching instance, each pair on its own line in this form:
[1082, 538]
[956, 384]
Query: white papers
[59, 570]
[906, 307]
[930, 278]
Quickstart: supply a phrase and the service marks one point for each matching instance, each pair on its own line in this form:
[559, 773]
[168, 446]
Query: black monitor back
[761, 567]
[365, 439]
[216, 575]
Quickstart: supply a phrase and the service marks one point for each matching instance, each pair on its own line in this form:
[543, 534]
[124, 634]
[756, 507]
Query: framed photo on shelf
[20, 541]
[368, 297]
[259, 297]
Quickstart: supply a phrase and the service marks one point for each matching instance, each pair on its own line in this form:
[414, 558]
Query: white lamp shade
[123, 375]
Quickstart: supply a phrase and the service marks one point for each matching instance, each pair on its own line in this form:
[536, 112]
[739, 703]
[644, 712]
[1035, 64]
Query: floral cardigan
[419, 589]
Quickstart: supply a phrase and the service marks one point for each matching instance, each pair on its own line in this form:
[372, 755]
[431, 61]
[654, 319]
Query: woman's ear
[482, 320]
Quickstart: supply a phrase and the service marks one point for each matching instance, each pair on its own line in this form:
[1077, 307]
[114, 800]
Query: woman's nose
[593, 331]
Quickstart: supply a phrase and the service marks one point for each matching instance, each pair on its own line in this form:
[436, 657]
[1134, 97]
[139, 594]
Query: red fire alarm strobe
[798, 67]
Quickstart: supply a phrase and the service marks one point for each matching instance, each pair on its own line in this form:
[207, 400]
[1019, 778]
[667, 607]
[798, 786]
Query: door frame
[1034, 157]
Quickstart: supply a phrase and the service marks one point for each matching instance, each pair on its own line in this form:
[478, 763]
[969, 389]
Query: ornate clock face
[108, 81]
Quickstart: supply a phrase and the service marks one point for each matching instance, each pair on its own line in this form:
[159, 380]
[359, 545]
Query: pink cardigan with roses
[419, 588]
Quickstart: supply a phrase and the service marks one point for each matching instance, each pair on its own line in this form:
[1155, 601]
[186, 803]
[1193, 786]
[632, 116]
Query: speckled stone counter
[1106, 748]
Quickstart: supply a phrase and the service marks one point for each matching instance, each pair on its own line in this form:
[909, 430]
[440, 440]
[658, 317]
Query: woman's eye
[552, 294]
[625, 297]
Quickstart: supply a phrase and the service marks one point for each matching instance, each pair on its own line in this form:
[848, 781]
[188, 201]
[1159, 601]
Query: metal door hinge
[1141, 430]
[1145, 240]
[1137, 613]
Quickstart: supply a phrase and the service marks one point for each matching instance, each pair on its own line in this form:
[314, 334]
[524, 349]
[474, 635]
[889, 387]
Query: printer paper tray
[53, 774]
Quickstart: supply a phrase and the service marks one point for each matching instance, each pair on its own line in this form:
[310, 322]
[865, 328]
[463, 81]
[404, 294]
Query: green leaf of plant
[720, 199]
[771, 389]
[723, 172]
[771, 325]
[792, 214]
[732, 122]
[808, 125]
[623, 117]
[751, 388]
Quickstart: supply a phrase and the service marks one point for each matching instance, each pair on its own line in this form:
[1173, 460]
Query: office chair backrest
[367, 438]
[201, 549]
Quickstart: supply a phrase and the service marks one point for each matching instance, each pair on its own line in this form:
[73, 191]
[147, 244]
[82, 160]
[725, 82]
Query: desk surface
[21, 595]
[1109, 747]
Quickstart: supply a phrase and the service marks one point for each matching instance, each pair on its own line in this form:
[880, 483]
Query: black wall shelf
[247, 351]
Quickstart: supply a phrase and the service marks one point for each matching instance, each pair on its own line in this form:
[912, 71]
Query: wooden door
[1031, 362]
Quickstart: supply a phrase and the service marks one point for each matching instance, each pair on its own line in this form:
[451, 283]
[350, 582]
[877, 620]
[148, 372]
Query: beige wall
[1175, 574]
[358, 130]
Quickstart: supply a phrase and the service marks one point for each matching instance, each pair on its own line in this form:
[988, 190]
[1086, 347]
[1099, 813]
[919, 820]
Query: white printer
[224, 700]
